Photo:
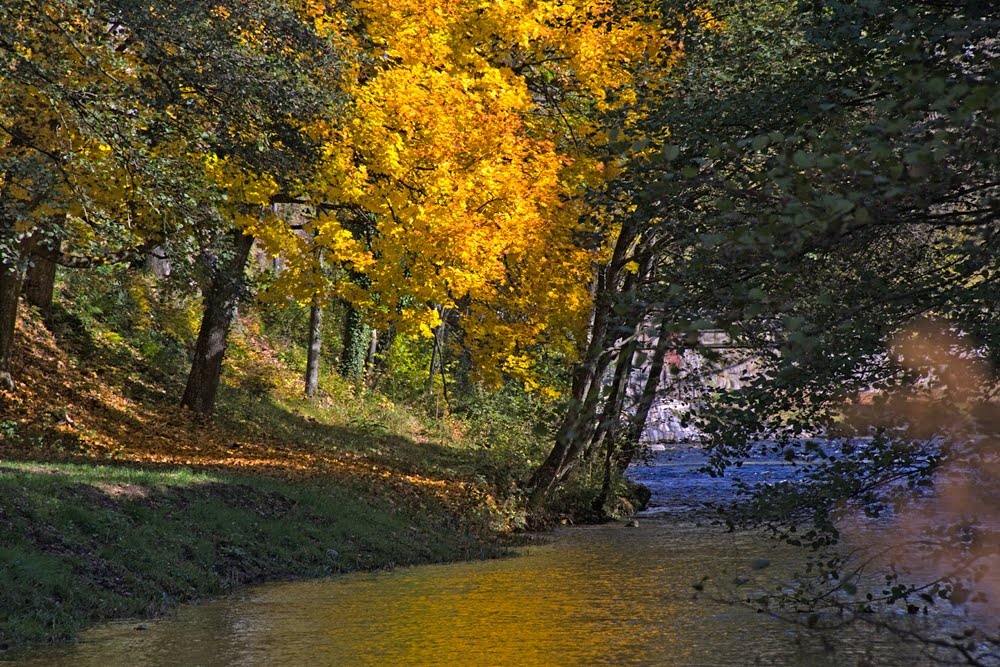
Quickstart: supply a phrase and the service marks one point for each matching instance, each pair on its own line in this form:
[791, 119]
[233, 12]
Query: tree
[115, 124]
[623, 307]
[470, 146]
[822, 208]
[70, 159]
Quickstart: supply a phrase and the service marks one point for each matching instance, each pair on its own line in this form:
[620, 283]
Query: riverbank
[114, 503]
[87, 543]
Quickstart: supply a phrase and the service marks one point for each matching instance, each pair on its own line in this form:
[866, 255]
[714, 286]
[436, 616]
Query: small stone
[332, 554]
[634, 523]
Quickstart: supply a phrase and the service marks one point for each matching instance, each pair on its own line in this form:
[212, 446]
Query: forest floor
[115, 504]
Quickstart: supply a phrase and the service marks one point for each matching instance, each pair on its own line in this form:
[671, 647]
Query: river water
[588, 595]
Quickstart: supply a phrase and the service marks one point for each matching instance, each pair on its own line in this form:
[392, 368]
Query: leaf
[760, 142]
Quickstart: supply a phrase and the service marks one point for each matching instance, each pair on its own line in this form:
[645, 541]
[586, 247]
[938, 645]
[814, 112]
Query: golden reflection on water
[596, 595]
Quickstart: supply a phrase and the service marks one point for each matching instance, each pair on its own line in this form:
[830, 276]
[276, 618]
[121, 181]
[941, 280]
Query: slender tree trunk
[577, 426]
[615, 402]
[438, 362]
[380, 361]
[630, 445]
[221, 302]
[315, 341]
[372, 350]
[607, 430]
[580, 421]
[11, 277]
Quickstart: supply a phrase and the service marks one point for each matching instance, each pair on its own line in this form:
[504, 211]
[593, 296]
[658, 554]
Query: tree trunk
[607, 430]
[357, 338]
[372, 349]
[615, 402]
[577, 426]
[380, 361]
[10, 292]
[630, 445]
[437, 354]
[580, 421]
[157, 262]
[315, 340]
[221, 302]
[39, 282]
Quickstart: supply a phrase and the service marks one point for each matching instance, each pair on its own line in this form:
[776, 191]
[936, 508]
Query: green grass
[84, 543]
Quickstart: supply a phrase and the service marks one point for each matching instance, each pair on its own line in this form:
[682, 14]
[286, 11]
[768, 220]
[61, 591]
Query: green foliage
[832, 184]
[285, 322]
[119, 316]
[510, 428]
[580, 498]
[357, 341]
[407, 365]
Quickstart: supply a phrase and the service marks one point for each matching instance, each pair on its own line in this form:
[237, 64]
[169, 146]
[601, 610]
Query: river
[606, 594]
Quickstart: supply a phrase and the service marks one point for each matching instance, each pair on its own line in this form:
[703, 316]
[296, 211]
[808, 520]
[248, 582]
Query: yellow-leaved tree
[468, 144]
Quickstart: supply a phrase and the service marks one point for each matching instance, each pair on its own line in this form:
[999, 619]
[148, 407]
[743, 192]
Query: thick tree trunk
[315, 340]
[39, 282]
[42, 251]
[10, 293]
[221, 302]
[157, 262]
[357, 338]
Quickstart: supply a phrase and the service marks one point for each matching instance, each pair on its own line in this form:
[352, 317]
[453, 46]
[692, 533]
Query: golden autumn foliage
[468, 144]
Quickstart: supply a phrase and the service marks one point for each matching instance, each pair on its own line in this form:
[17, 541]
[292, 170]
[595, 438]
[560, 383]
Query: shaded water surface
[590, 595]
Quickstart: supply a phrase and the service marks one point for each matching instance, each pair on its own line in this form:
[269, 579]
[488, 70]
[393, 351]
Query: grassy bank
[84, 543]
[115, 503]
